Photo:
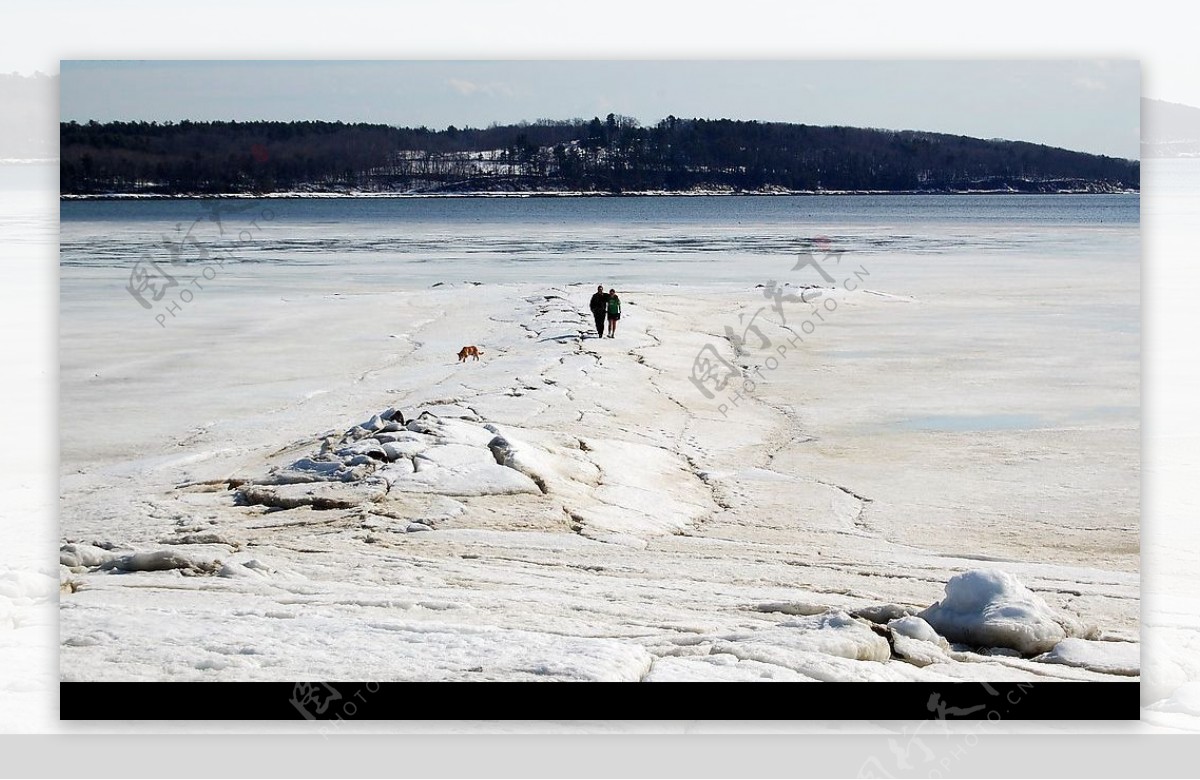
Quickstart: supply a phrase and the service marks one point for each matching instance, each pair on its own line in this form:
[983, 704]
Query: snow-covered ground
[310, 485]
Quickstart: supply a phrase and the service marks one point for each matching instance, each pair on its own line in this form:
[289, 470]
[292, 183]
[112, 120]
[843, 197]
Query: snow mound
[991, 608]
[318, 495]
[160, 560]
[84, 555]
[839, 634]
[205, 537]
[396, 449]
[882, 613]
[429, 454]
[829, 647]
[917, 628]
[915, 641]
[1122, 658]
[614, 492]
[233, 569]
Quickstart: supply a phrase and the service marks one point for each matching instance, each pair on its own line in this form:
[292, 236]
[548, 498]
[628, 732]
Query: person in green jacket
[614, 312]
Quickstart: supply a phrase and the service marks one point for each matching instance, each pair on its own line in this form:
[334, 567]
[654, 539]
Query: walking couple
[606, 304]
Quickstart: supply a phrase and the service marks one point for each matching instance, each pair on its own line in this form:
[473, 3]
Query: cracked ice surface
[359, 504]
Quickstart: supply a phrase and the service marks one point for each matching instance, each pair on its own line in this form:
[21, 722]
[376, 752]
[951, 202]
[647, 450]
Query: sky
[1090, 106]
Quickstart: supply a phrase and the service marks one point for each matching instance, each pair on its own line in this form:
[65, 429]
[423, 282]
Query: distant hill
[613, 155]
[1170, 129]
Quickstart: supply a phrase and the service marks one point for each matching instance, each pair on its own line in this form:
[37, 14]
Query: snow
[1108, 657]
[812, 646]
[991, 608]
[720, 667]
[883, 613]
[916, 628]
[328, 495]
[481, 479]
[84, 555]
[573, 508]
[159, 560]
[915, 641]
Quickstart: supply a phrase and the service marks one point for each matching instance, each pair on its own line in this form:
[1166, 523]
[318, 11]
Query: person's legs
[599, 315]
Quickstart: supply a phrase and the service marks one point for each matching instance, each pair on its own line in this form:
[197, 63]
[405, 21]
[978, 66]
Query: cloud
[469, 88]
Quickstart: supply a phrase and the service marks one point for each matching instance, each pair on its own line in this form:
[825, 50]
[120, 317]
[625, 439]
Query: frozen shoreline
[761, 530]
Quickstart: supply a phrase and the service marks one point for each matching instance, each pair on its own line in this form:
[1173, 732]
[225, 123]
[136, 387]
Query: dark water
[703, 238]
[652, 210]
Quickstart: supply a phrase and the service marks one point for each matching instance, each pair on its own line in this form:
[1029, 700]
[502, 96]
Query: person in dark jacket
[599, 307]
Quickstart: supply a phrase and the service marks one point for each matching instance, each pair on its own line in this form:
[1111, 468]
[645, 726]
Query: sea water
[419, 241]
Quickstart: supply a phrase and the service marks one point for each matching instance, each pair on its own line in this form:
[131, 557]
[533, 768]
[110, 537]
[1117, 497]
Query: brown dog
[467, 352]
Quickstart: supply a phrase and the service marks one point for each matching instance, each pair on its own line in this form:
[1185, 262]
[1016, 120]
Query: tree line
[611, 155]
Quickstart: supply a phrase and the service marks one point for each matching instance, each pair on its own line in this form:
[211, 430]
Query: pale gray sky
[1090, 106]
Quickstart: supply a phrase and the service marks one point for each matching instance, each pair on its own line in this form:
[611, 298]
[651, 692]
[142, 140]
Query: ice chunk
[233, 569]
[1107, 657]
[317, 466]
[451, 410]
[915, 641]
[792, 607]
[210, 537]
[309, 470]
[76, 555]
[393, 471]
[451, 431]
[318, 495]
[825, 647]
[368, 447]
[882, 613]
[159, 560]
[991, 608]
[455, 456]
[485, 480]
[394, 450]
[403, 436]
[837, 633]
[914, 627]
[521, 457]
